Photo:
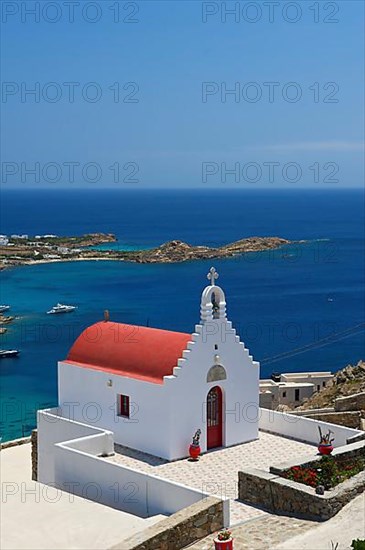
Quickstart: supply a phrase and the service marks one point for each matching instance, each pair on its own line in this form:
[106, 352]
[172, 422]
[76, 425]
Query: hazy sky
[134, 94]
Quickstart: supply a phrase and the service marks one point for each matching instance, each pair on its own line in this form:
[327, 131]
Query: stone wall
[280, 495]
[284, 496]
[350, 419]
[179, 530]
[34, 443]
[351, 403]
[15, 442]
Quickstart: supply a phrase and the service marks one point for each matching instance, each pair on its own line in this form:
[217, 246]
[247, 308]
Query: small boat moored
[7, 353]
[61, 308]
[4, 308]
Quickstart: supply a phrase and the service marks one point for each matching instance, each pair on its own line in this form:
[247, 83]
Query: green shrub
[328, 472]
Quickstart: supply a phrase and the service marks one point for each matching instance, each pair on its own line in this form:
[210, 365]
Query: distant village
[289, 390]
[40, 241]
[24, 249]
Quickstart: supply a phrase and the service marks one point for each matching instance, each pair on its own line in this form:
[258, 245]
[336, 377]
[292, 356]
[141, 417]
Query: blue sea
[298, 308]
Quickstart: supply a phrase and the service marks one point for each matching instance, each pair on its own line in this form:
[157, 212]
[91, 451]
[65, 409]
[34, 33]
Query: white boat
[61, 308]
[4, 353]
[4, 308]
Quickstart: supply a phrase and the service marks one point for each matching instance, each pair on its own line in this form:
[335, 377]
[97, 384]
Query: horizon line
[212, 188]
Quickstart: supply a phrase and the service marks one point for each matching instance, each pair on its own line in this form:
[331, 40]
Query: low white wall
[54, 428]
[303, 429]
[118, 486]
[71, 458]
[101, 481]
[95, 445]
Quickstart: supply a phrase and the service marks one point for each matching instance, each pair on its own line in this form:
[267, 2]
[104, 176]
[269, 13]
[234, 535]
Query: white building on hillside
[319, 379]
[292, 388]
[154, 388]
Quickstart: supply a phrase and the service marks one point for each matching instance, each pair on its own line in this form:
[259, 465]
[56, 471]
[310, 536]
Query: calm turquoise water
[279, 301]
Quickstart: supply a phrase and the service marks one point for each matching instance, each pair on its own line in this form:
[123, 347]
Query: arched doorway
[214, 418]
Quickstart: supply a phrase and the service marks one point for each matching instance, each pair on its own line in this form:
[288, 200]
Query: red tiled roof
[135, 352]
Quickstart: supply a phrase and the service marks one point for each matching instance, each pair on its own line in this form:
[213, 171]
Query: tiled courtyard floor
[263, 533]
[216, 472]
[273, 532]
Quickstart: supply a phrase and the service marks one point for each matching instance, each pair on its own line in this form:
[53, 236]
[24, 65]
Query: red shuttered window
[123, 405]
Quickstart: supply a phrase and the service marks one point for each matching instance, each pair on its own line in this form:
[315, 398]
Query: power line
[335, 337]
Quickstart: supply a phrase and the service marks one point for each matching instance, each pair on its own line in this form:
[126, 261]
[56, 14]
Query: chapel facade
[154, 388]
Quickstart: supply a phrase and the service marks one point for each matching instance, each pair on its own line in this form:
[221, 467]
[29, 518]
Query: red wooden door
[214, 418]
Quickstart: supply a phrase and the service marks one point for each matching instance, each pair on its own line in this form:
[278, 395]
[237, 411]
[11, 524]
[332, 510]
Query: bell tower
[213, 300]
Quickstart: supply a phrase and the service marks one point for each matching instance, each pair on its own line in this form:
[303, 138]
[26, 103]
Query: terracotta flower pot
[194, 451]
[325, 449]
[223, 544]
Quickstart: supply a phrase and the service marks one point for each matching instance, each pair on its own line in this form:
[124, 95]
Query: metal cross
[212, 276]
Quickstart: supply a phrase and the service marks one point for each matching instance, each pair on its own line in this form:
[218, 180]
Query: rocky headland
[178, 251]
[50, 249]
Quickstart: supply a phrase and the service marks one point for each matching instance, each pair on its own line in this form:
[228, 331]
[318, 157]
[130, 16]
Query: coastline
[170, 252]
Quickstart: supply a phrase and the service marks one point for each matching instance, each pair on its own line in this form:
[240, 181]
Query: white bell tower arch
[213, 300]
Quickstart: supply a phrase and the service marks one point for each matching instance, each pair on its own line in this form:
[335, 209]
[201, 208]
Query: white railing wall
[302, 428]
[54, 428]
[118, 486]
[74, 461]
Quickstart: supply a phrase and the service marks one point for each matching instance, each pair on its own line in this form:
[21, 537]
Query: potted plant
[325, 446]
[194, 449]
[224, 540]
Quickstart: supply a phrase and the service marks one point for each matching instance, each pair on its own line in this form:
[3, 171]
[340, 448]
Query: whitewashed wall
[188, 392]
[118, 486]
[54, 427]
[165, 416]
[76, 466]
[86, 392]
[303, 429]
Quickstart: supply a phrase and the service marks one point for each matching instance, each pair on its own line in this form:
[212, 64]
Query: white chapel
[154, 388]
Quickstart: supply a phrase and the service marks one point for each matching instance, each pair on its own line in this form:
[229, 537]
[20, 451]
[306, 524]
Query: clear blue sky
[170, 132]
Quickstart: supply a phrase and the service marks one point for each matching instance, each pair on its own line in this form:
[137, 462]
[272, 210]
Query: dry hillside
[347, 381]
